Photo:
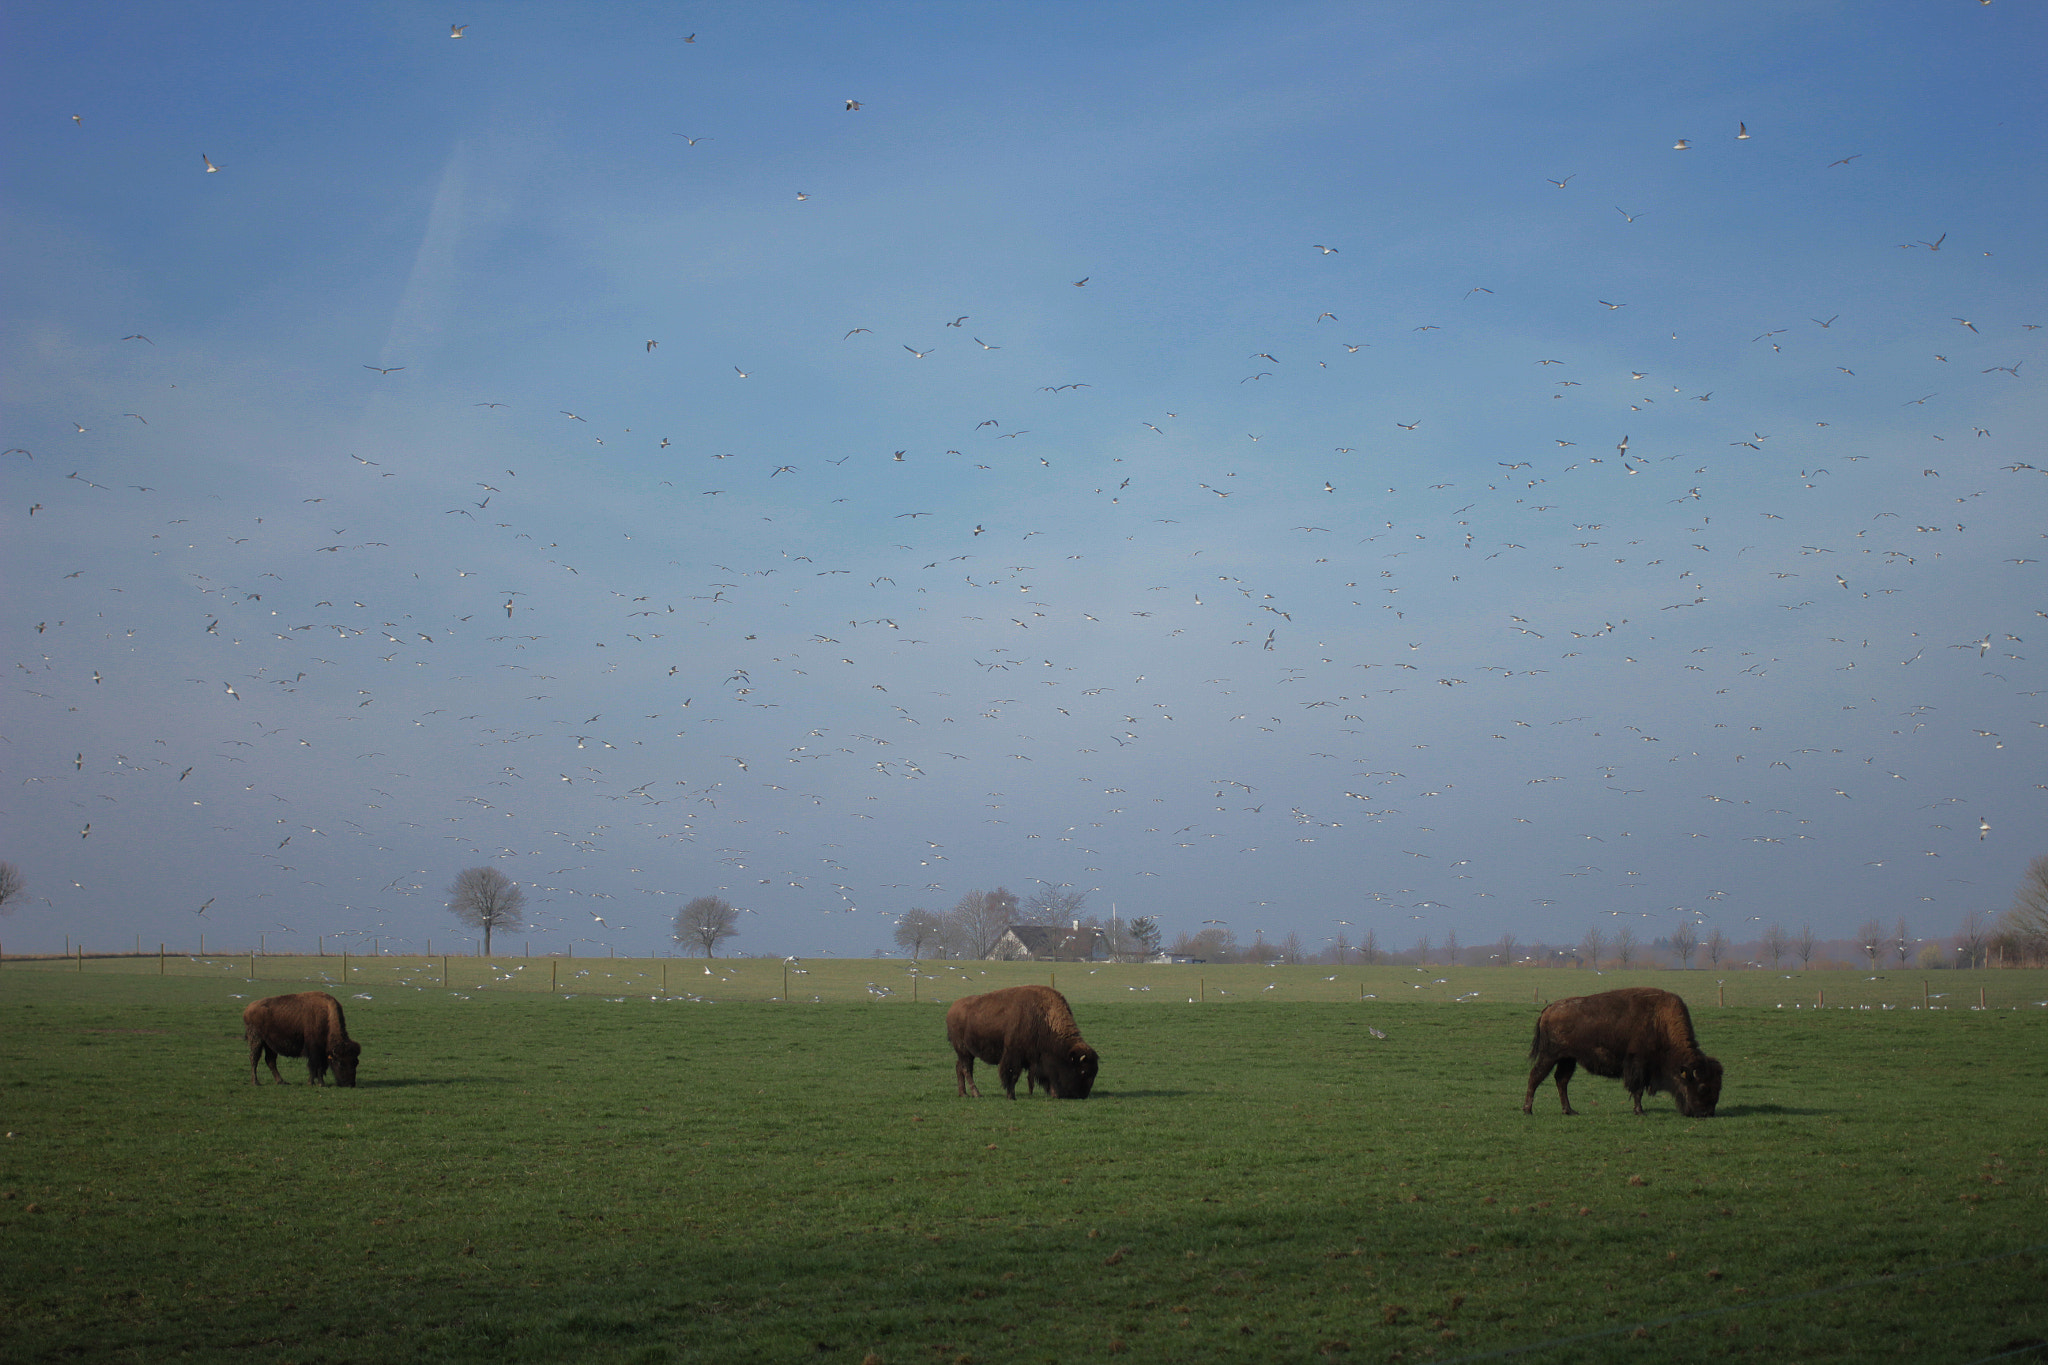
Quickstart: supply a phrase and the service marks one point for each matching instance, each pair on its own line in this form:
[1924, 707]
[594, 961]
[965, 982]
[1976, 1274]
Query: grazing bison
[1641, 1034]
[1024, 1030]
[309, 1026]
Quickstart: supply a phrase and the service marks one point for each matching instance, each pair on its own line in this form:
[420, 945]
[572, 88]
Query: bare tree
[979, 919]
[1369, 950]
[1507, 949]
[1716, 945]
[1057, 905]
[1973, 938]
[1625, 945]
[1450, 947]
[485, 898]
[1685, 940]
[1870, 938]
[12, 886]
[1262, 951]
[1900, 942]
[1211, 945]
[707, 921]
[918, 927]
[1422, 950]
[1775, 942]
[1805, 944]
[2023, 929]
[1592, 945]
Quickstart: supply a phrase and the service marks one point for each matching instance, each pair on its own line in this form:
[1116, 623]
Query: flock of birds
[1401, 679]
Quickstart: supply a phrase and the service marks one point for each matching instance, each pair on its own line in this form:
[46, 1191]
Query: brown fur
[1641, 1034]
[1023, 1030]
[310, 1026]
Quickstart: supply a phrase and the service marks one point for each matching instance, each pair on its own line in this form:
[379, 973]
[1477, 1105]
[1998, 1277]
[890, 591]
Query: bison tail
[1536, 1044]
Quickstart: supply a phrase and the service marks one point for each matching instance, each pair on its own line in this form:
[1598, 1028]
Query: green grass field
[612, 1171]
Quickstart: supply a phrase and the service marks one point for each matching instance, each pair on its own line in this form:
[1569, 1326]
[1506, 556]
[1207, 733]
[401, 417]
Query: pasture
[612, 1171]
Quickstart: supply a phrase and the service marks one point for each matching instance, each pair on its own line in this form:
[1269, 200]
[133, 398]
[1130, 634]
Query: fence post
[444, 971]
[1980, 997]
[1923, 992]
[81, 955]
[1820, 998]
[1201, 990]
[159, 959]
[344, 966]
[554, 965]
[252, 966]
[1720, 995]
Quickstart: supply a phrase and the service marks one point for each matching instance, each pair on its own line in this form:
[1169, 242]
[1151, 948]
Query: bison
[309, 1026]
[1641, 1034]
[1024, 1030]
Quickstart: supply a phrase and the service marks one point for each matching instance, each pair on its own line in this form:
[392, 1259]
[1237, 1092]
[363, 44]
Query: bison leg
[1565, 1067]
[1010, 1068]
[1634, 1077]
[963, 1072]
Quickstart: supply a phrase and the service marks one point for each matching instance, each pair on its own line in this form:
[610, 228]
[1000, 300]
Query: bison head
[1073, 1074]
[1698, 1087]
[342, 1056]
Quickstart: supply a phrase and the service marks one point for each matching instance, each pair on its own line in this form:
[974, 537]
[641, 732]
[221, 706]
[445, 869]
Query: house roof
[1053, 941]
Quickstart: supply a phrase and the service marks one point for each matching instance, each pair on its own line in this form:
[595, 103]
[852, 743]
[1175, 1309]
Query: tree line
[979, 919]
[485, 899]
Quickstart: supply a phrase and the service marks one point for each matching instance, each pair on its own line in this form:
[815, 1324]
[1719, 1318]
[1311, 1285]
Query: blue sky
[1384, 535]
